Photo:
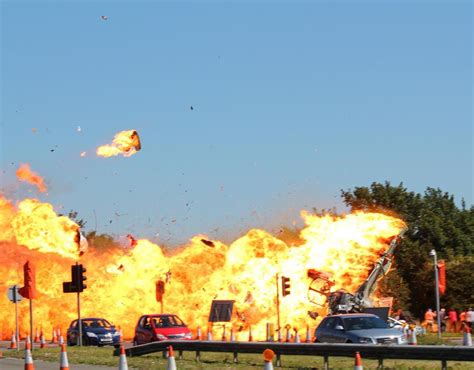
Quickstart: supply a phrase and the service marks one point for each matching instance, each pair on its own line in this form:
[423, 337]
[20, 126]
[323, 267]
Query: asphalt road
[15, 364]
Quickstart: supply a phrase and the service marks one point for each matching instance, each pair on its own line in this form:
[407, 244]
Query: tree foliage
[435, 222]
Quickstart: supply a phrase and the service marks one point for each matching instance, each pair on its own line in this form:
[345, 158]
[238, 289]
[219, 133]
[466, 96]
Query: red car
[156, 327]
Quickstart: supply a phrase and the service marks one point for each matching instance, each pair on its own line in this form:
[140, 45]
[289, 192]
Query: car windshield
[167, 322]
[96, 323]
[364, 322]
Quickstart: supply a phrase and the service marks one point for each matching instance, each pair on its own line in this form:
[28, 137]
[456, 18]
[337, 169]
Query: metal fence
[325, 350]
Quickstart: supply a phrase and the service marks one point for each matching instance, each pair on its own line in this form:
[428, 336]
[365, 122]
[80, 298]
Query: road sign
[13, 294]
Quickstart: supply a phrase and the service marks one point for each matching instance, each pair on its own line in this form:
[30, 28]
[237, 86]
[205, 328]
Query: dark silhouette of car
[358, 328]
[157, 327]
[95, 332]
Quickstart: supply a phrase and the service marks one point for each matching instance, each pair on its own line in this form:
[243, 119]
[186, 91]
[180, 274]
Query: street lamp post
[438, 318]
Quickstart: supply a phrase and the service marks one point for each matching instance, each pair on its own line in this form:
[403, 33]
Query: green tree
[435, 222]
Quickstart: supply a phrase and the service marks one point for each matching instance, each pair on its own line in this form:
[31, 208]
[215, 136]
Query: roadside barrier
[171, 361]
[63, 362]
[123, 359]
[13, 342]
[369, 351]
[358, 362]
[268, 355]
[29, 365]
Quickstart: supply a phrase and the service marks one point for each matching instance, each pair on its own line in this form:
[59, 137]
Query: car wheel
[348, 341]
[135, 343]
[69, 342]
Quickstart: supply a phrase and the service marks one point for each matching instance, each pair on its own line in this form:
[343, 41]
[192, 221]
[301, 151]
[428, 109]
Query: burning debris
[24, 173]
[208, 243]
[126, 143]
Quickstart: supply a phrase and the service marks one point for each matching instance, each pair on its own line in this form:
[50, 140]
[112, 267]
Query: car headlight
[365, 340]
[91, 335]
[161, 336]
[188, 336]
[116, 334]
[402, 339]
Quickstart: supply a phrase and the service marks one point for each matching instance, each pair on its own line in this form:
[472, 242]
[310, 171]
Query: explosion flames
[24, 173]
[126, 143]
[121, 281]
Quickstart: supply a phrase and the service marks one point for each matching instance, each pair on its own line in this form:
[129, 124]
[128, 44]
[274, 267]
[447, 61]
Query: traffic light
[160, 290]
[285, 286]
[78, 277]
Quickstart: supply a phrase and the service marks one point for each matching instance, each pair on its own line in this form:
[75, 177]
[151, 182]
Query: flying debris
[126, 143]
[24, 173]
[133, 241]
[191, 107]
[79, 129]
[208, 243]
[83, 154]
[104, 17]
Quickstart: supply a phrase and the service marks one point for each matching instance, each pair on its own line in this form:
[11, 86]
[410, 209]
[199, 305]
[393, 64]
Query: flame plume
[126, 143]
[121, 281]
[24, 173]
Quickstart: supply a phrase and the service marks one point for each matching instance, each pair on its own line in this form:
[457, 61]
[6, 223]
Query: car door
[324, 331]
[143, 333]
[339, 336]
[73, 332]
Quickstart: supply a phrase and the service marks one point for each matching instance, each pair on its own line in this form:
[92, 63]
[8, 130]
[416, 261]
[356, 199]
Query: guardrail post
[198, 356]
[236, 358]
[380, 365]
[326, 363]
[444, 365]
[278, 361]
[165, 355]
[180, 356]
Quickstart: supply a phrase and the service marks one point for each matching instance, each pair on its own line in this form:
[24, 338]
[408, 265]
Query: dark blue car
[95, 332]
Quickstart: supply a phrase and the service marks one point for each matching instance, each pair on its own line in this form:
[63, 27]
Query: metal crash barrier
[377, 352]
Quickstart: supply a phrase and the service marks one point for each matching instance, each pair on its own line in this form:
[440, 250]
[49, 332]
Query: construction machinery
[342, 301]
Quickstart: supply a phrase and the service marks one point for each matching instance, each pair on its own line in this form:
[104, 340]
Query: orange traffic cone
[232, 334]
[209, 334]
[63, 362]
[198, 333]
[37, 338]
[171, 361]
[308, 334]
[412, 338]
[268, 355]
[54, 338]
[28, 358]
[224, 334]
[288, 335]
[297, 337]
[123, 359]
[250, 334]
[13, 342]
[358, 362]
[467, 339]
[42, 340]
[61, 340]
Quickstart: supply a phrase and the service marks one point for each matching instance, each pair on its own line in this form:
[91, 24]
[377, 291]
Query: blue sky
[292, 102]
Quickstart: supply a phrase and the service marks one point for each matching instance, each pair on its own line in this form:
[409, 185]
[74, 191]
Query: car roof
[159, 314]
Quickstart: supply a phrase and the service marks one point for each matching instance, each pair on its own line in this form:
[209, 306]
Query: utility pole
[278, 306]
[438, 318]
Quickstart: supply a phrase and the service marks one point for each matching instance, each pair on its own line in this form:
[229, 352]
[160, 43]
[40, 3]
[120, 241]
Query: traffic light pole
[278, 306]
[79, 321]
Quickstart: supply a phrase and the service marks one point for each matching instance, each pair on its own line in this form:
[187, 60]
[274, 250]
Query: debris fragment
[104, 17]
[126, 143]
[209, 243]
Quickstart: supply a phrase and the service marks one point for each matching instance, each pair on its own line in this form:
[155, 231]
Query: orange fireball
[122, 281]
[24, 173]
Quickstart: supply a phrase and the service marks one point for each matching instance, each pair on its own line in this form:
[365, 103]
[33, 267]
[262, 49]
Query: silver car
[357, 328]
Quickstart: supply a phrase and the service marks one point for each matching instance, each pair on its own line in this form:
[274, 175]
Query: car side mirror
[339, 327]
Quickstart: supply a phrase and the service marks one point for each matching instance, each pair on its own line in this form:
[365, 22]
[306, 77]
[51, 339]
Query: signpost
[15, 297]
